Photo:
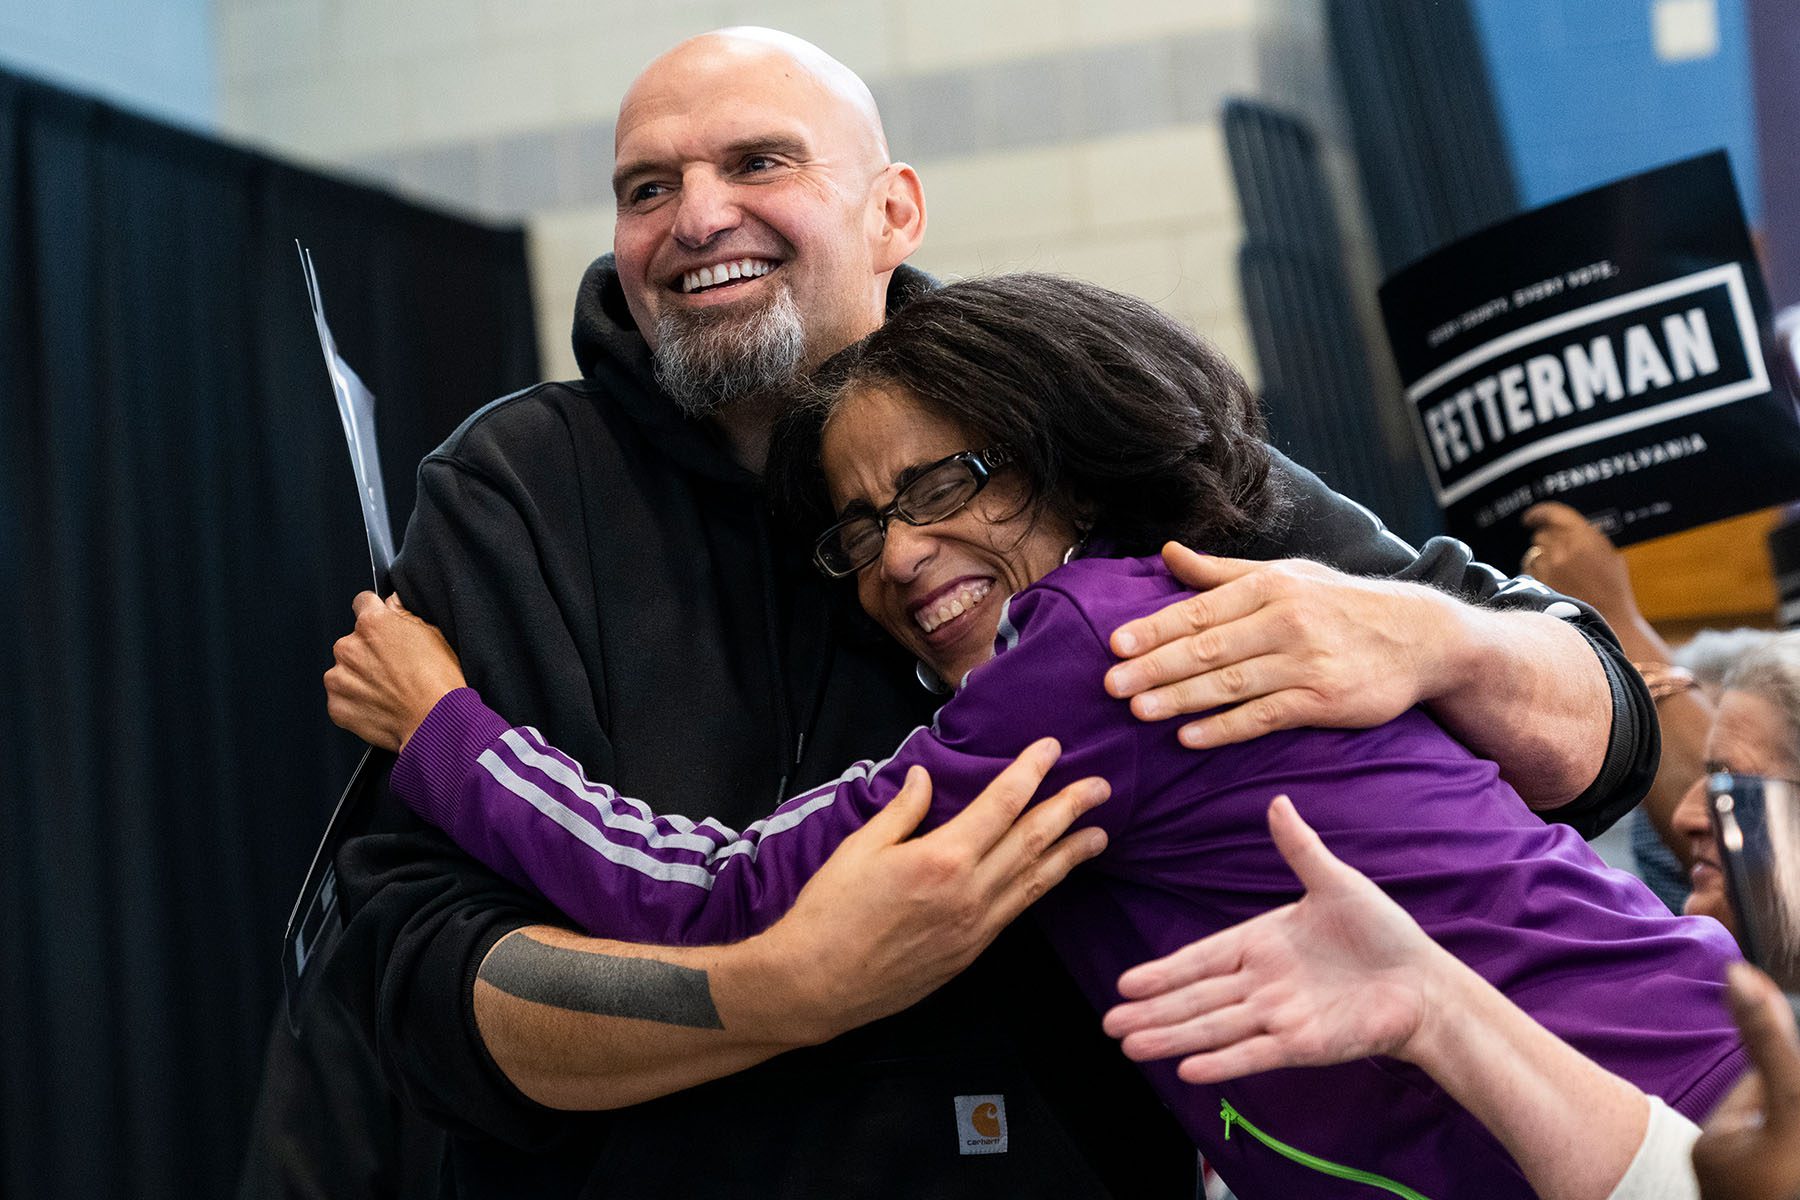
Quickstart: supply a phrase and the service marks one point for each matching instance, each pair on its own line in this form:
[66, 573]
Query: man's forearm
[586, 1023]
[1528, 691]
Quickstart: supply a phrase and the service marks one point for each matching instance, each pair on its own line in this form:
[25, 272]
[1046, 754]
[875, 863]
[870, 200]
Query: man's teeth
[743, 268]
[958, 602]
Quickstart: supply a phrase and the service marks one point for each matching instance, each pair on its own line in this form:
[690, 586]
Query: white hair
[1711, 653]
[1771, 672]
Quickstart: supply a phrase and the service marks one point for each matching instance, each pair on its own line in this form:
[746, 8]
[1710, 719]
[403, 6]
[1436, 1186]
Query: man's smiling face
[751, 203]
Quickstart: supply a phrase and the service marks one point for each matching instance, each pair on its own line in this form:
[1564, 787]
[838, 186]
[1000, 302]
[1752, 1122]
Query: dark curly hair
[1118, 418]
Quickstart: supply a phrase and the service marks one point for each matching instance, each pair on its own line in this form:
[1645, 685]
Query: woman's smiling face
[937, 589]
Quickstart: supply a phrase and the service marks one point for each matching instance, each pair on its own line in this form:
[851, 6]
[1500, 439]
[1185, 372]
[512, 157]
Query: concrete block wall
[1057, 135]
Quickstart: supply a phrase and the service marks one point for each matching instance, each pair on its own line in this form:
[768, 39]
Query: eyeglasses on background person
[1756, 825]
[939, 491]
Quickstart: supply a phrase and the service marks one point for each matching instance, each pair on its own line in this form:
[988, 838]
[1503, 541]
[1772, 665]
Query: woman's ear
[899, 212]
[1084, 514]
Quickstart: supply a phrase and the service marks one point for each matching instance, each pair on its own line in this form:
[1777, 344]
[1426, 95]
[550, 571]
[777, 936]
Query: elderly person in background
[1751, 1146]
[1709, 657]
[1570, 554]
[1756, 732]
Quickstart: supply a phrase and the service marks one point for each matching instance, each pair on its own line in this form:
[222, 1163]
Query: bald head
[717, 63]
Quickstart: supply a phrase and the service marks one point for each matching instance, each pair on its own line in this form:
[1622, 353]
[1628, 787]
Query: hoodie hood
[605, 334]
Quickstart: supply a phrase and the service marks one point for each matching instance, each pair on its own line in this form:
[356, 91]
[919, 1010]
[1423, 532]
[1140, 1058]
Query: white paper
[356, 408]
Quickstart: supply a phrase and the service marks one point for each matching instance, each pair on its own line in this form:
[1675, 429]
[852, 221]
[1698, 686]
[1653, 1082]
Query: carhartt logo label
[986, 1120]
[981, 1124]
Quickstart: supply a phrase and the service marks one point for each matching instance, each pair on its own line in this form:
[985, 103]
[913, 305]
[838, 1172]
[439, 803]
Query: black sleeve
[1332, 529]
[420, 913]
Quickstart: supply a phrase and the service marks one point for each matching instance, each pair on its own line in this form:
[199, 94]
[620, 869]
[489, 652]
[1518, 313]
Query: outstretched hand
[1749, 1148]
[889, 918]
[1280, 645]
[1342, 974]
[391, 670]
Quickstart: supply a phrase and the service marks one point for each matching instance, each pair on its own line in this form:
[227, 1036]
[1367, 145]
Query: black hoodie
[610, 575]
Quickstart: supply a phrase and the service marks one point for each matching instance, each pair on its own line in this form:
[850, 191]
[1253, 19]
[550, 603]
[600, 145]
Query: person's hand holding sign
[1569, 554]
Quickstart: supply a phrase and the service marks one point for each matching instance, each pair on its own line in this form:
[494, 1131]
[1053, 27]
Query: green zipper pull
[1313, 1162]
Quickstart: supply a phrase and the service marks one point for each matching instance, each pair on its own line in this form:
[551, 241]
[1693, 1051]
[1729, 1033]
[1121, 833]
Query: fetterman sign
[1605, 351]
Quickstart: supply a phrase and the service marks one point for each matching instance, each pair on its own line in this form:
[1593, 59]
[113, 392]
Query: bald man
[755, 152]
[598, 553]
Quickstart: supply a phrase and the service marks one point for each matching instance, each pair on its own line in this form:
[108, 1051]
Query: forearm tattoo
[607, 985]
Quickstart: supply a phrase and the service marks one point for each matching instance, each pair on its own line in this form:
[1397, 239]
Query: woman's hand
[391, 671]
[1750, 1145]
[1343, 974]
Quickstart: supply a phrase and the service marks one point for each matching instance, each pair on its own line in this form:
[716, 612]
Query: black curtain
[179, 541]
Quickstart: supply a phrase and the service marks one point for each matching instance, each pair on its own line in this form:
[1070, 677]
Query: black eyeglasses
[940, 490]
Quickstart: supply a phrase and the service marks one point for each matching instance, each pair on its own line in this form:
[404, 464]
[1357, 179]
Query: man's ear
[899, 215]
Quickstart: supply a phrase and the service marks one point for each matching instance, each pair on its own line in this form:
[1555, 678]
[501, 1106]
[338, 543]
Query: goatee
[710, 359]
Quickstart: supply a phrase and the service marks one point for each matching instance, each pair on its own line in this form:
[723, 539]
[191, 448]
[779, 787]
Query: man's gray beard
[706, 361]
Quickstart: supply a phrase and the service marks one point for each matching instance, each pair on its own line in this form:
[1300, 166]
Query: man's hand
[890, 918]
[1281, 645]
[391, 670]
[1749, 1148]
[1343, 974]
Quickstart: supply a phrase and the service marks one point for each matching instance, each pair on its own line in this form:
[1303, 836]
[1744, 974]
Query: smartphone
[1756, 822]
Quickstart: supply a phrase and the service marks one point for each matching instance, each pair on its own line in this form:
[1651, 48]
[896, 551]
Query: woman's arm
[1344, 974]
[582, 1022]
[585, 1022]
[620, 870]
